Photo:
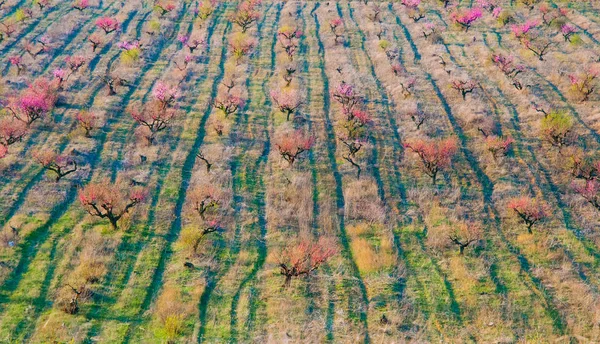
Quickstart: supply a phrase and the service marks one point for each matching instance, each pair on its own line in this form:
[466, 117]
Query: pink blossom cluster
[520, 31]
[107, 24]
[128, 45]
[164, 93]
[467, 18]
[411, 3]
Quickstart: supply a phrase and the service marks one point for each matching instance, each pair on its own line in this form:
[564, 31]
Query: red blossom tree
[109, 200]
[304, 257]
[61, 165]
[435, 154]
[529, 210]
[292, 144]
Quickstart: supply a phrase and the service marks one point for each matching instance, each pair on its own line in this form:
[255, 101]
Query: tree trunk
[288, 281]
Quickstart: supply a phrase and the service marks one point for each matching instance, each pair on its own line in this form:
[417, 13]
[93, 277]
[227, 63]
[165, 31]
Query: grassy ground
[395, 277]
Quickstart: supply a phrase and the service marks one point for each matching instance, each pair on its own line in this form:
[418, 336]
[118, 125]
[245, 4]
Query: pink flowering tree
[95, 40]
[435, 154]
[532, 39]
[11, 132]
[467, 18]
[241, 45]
[412, 9]
[164, 7]
[191, 44]
[41, 4]
[354, 135]
[165, 94]
[228, 103]
[289, 40]
[550, 15]
[109, 201]
[8, 27]
[345, 94]
[17, 61]
[568, 30]
[292, 144]
[88, 121]
[489, 5]
[510, 69]
[584, 84]
[525, 30]
[59, 164]
[153, 120]
[337, 28]
[36, 48]
[80, 5]
[205, 9]
[428, 29]
[585, 167]
[245, 15]
[107, 24]
[75, 62]
[464, 87]
[590, 191]
[186, 61]
[35, 102]
[159, 114]
[498, 146]
[61, 76]
[287, 101]
[529, 210]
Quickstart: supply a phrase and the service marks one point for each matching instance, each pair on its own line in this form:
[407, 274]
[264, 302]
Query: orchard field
[179, 171]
